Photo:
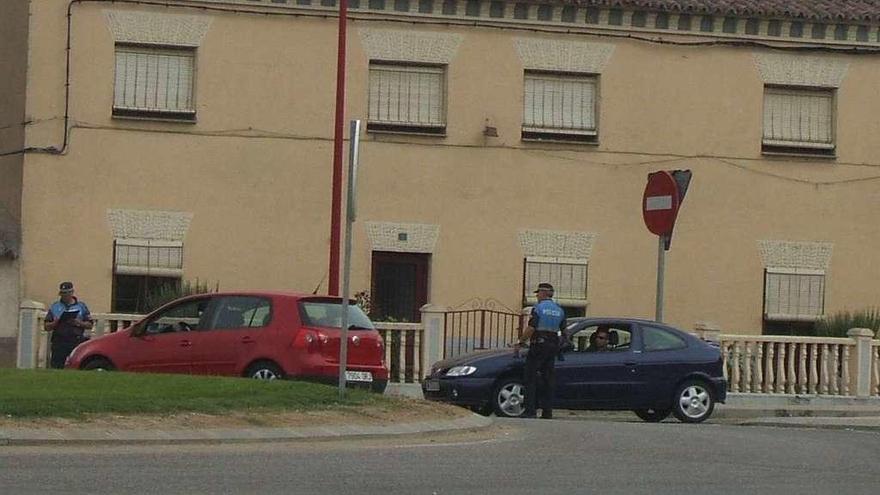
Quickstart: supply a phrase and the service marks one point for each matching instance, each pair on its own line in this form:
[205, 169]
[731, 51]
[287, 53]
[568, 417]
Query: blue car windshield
[329, 314]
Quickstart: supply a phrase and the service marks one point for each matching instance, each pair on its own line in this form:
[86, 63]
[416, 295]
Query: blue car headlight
[461, 371]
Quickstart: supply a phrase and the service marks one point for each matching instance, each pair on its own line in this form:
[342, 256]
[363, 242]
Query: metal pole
[338, 135]
[350, 214]
[661, 268]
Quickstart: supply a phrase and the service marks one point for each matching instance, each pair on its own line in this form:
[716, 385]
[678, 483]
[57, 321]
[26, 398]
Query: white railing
[875, 367]
[404, 351]
[104, 323]
[788, 365]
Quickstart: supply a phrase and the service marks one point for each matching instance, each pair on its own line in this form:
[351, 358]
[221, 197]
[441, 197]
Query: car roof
[619, 319]
[268, 293]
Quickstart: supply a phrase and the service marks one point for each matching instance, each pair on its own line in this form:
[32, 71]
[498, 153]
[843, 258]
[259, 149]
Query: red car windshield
[329, 314]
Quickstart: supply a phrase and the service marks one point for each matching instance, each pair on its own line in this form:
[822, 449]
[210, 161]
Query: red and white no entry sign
[660, 203]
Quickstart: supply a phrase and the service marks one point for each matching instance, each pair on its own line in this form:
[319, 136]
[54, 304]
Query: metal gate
[479, 324]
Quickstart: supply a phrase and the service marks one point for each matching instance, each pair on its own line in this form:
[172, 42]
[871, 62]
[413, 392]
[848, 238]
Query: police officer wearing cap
[542, 334]
[67, 319]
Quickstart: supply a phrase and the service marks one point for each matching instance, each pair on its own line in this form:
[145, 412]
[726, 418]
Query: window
[376, 4]
[659, 339]
[401, 5]
[796, 30]
[407, 98]
[426, 6]
[142, 269]
[793, 294]
[619, 338]
[154, 83]
[568, 13]
[662, 21]
[841, 32]
[798, 121]
[862, 33]
[684, 22]
[819, 31]
[729, 25]
[568, 277]
[328, 313]
[752, 26]
[615, 17]
[774, 28]
[472, 8]
[545, 12]
[639, 19]
[559, 107]
[450, 7]
[521, 11]
[242, 312]
[592, 16]
[496, 9]
[707, 23]
[182, 317]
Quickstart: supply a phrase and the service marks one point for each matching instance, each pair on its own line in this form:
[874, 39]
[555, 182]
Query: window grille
[155, 82]
[793, 295]
[407, 98]
[557, 105]
[798, 119]
[568, 277]
[148, 257]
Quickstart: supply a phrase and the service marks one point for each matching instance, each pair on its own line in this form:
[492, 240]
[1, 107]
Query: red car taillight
[307, 340]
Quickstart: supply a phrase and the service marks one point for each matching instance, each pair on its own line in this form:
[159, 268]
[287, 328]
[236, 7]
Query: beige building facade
[505, 143]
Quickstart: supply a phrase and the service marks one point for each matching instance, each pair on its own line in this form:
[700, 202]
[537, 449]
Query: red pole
[338, 135]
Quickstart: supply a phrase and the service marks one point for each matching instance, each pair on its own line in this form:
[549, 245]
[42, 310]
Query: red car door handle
[247, 340]
[185, 343]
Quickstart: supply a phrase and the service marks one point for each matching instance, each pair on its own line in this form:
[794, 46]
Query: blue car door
[662, 363]
[587, 379]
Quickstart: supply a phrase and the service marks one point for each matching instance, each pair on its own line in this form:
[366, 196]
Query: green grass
[55, 393]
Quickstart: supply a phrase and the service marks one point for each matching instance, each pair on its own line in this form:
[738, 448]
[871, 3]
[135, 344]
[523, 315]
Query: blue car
[647, 367]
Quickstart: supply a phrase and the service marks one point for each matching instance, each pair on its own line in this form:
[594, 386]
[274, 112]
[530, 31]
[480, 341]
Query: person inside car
[599, 340]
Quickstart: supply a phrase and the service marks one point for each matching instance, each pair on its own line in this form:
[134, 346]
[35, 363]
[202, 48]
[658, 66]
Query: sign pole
[661, 274]
[350, 214]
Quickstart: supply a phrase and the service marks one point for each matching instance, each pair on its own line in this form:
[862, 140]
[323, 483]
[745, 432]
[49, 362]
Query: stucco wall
[13, 66]
[255, 170]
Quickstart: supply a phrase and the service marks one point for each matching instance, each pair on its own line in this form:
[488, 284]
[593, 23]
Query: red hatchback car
[263, 335]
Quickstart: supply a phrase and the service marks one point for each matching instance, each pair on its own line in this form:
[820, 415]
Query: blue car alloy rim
[511, 399]
[695, 401]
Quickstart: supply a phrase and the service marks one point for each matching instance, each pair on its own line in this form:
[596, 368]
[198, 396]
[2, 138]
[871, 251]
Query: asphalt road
[516, 456]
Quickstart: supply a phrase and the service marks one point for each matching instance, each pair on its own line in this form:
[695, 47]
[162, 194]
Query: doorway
[399, 286]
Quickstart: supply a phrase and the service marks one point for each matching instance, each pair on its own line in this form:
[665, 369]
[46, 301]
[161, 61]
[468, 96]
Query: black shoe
[546, 415]
[529, 416]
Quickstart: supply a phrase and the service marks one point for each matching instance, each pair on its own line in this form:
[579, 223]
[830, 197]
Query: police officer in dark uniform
[542, 334]
[67, 319]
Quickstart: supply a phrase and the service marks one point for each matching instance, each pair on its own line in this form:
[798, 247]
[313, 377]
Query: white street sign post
[350, 214]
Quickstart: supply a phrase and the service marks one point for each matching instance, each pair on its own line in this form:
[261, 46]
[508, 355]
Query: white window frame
[563, 294]
[418, 120]
[139, 95]
[557, 125]
[810, 137]
[155, 258]
[783, 302]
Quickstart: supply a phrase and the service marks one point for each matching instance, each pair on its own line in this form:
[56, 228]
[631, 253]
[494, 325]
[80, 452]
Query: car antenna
[319, 284]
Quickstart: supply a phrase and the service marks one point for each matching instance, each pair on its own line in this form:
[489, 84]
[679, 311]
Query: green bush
[168, 292]
[837, 324]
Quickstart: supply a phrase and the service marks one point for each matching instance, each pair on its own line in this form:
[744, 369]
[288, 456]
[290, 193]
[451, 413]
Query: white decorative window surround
[796, 254]
[152, 28]
[557, 244]
[563, 56]
[149, 224]
[810, 71]
[794, 279]
[410, 46]
[403, 237]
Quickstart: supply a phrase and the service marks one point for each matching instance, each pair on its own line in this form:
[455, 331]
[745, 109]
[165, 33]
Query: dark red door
[400, 285]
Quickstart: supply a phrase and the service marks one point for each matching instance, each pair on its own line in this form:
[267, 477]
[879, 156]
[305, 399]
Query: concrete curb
[820, 423]
[73, 436]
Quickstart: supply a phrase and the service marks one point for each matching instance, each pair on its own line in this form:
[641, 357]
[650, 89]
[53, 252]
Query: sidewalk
[67, 436]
